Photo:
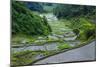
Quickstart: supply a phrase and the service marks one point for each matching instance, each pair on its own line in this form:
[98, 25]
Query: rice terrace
[46, 33]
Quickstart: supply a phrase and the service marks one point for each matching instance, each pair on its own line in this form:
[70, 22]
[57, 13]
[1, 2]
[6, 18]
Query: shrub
[64, 46]
[90, 33]
[76, 31]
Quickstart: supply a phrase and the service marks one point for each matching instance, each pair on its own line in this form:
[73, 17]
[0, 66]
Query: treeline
[35, 6]
[81, 19]
[26, 21]
[39, 6]
[69, 11]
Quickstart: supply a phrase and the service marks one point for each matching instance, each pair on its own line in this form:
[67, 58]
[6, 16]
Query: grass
[26, 57]
[59, 27]
[22, 39]
[22, 58]
[63, 46]
[19, 38]
[48, 41]
[47, 53]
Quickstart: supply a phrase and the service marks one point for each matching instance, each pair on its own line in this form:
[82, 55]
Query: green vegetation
[76, 31]
[48, 7]
[35, 6]
[40, 24]
[59, 27]
[27, 57]
[46, 23]
[79, 18]
[23, 58]
[27, 22]
[63, 46]
[69, 11]
[47, 53]
[84, 27]
[22, 39]
[87, 29]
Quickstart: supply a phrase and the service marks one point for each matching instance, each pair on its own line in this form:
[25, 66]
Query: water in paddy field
[80, 54]
[48, 46]
[52, 46]
[50, 17]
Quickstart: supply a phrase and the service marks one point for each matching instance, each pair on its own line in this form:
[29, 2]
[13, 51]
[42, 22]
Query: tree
[76, 31]
[34, 6]
[47, 24]
[27, 22]
[69, 11]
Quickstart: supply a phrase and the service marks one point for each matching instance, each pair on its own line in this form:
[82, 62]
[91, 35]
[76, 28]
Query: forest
[41, 30]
